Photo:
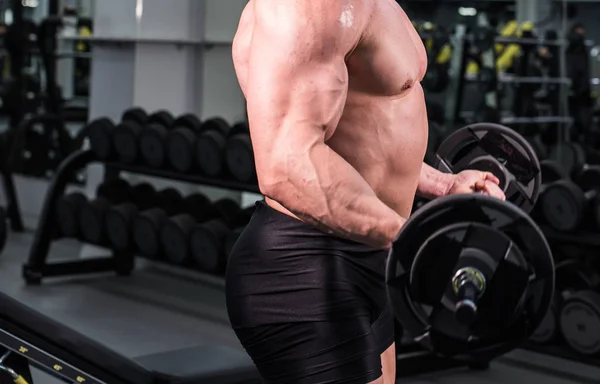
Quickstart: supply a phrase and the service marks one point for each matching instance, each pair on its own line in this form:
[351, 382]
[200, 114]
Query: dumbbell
[572, 275]
[119, 218]
[146, 225]
[125, 140]
[175, 233]
[207, 240]
[210, 146]
[207, 245]
[239, 155]
[181, 142]
[153, 138]
[579, 317]
[93, 213]
[99, 132]
[136, 115]
[566, 205]
[67, 213]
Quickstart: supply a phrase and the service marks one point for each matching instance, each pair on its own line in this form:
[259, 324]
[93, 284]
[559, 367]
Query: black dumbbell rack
[586, 239]
[37, 266]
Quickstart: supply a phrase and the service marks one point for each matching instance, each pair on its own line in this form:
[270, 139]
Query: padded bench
[206, 364]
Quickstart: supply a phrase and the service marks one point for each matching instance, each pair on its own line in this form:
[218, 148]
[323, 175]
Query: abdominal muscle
[385, 140]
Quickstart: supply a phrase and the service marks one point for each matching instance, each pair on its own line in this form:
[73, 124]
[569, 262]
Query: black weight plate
[207, 243]
[3, 228]
[136, 115]
[538, 146]
[170, 200]
[589, 177]
[500, 150]
[552, 171]
[99, 132]
[210, 152]
[548, 328]
[574, 275]
[181, 146]
[239, 127]
[216, 124]
[115, 191]
[570, 155]
[117, 225]
[190, 121]
[174, 238]
[580, 322]
[125, 141]
[563, 205]
[91, 221]
[153, 139]
[240, 158]
[67, 213]
[425, 317]
[146, 232]
[162, 118]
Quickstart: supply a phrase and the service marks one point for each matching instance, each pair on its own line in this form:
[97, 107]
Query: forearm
[321, 188]
[433, 183]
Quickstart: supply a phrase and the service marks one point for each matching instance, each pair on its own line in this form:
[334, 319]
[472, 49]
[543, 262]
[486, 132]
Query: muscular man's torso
[383, 130]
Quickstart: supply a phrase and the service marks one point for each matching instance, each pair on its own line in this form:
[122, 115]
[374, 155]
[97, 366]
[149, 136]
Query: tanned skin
[337, 117]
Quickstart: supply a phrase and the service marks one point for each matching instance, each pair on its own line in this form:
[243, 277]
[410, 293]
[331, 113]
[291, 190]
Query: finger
[491, 177]
[494, 191]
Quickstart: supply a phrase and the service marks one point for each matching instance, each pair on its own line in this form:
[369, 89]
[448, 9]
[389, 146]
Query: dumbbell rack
[37, 266]
[585, 239]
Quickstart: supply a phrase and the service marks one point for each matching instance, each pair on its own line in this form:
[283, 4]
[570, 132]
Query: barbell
[471, 277]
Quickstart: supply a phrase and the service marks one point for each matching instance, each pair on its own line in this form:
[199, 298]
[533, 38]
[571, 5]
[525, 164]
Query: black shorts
[308, 307]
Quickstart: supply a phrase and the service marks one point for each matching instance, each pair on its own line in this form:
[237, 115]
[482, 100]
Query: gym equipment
[146, 225]
[580, 322]
[566, 206]
[136, 115]
[207, 245]
[153, 138]
[499, 150]
[92, 214]
[3, 228]
[100, 134]
[552, 171]
[181, 142]
[572, 274]
[125, 137]
[548, 329]
[67, 213]
[210, 146]
[570, 155]
[470, 277]
[117, 223]
[32, 338]
[175, 232]
[239, 155]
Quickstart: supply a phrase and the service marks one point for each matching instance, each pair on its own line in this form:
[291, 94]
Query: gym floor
[158, 310]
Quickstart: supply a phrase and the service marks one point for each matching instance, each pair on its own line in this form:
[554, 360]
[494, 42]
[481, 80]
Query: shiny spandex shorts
[308, 308]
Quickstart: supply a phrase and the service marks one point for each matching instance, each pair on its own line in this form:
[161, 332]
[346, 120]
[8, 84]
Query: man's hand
[471, 181]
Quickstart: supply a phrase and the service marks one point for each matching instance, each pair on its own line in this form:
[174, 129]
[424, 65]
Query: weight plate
[240, 158]
[117, 224]
[99, 132]
[548, 328]
[552, 171]
[563, 205]
[589, 177]
[210, 149]
[574, 275]
[152, 145]
[459, 232]
[207, 243]
[125, 141]
[181, 145]
[190, 121]
[216, 124]
[136, 115]
[570, 155]
[174, 237]
[162, 118]
[497, 149]
[67, 213]
[580, 322]
[146, 231]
